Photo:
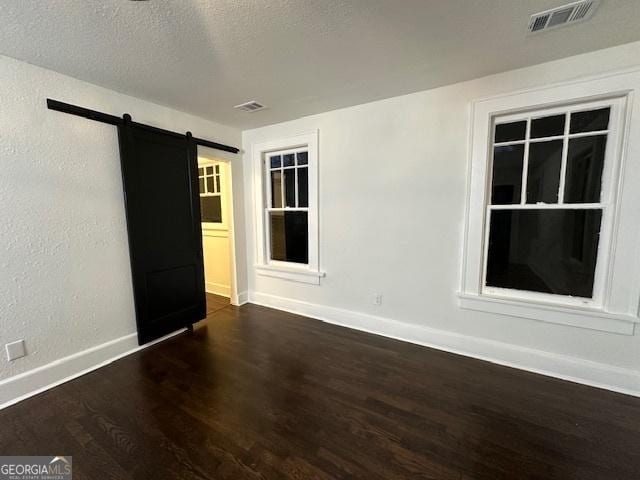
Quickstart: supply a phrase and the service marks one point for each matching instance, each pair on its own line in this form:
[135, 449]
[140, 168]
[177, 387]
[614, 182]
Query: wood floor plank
[216, 302]
[255, 393]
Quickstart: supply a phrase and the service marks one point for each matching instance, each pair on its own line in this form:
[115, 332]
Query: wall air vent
[251, 106]
[565, 15]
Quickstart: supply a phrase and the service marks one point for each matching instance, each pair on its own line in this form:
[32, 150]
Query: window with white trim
[210, 193]
[287, 211]
[550, 209]
[551, 230]
[286, 185]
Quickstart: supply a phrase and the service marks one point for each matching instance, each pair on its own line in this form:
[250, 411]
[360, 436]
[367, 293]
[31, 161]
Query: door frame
[227, 159]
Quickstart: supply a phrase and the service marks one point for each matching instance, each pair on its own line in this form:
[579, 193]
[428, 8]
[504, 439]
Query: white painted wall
[392, 198]
[217, 262]
[65, 282]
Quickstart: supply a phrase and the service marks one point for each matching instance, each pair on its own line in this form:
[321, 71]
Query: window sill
[590, 318]
[293, 274]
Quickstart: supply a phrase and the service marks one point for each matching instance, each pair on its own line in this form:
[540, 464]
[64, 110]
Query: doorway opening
[216, 209]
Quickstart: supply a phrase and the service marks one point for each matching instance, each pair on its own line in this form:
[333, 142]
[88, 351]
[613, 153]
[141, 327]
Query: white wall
[392, 199]
[65, 283]
[217, 262]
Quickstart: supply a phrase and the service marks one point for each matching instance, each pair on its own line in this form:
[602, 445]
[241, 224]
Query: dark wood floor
[254, 393]
[215, 303]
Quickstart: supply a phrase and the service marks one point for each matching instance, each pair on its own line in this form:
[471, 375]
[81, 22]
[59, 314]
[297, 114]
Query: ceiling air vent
[566, 14]
[251, 106]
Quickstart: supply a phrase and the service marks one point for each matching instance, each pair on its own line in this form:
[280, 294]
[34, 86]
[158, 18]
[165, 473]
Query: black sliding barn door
[159, 172]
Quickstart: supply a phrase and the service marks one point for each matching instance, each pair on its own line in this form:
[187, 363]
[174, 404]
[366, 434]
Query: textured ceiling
[299, 57]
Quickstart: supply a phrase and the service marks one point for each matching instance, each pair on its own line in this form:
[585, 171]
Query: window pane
[549, 251]
[289, 236]
[590, 121]
[201, 185]
[290, 187]
[200, 171]
[508, 132]
[276, 189]
[507, 174]
[547, 126]
[210, 209]
[287, 160]
[302, 158]
[210, 185]
[543, 174]
[217, 169]
[585, 161]
[276, 161]
[303, 187]
[217, 183]
[209, 170]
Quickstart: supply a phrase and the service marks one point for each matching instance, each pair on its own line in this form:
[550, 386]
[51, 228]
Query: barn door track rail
[113, 120]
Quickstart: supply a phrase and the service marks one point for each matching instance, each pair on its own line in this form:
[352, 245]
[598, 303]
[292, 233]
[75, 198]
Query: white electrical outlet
[15, 350]
[377, 299]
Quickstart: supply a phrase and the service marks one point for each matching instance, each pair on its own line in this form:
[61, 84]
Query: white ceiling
[299, 57]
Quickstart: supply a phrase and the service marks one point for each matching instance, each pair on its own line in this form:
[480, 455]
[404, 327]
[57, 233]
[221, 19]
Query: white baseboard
[564, 367]
[24, 385]
[32, 382]
[218, 289]
[240, 299]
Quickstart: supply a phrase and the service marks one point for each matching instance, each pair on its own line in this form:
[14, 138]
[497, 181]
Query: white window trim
[306, 273]
[606, 204]
[616, 307]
